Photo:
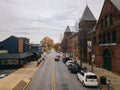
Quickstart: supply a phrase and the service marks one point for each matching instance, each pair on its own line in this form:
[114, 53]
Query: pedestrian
[38, 62]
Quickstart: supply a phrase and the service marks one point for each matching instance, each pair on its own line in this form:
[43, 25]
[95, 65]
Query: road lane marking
[53, 76]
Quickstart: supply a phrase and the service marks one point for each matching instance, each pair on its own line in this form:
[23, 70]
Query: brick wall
[108, 9]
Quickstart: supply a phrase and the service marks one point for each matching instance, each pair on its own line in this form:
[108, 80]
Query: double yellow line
[53, 76]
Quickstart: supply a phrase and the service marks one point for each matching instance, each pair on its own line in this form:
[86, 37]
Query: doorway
[107, 64]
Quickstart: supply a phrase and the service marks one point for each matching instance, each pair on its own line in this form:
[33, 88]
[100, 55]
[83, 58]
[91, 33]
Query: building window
[102, 24]
[94, 40]
[2, 48]
[106, 21]
[104, 38]
[100, 39]
[111, 19]
[108, 37]
[114, 37]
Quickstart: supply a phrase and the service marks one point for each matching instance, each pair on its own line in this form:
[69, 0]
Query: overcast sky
[36, 19]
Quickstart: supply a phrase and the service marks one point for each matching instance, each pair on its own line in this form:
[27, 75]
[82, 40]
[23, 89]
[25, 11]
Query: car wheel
[83, 83]
[77, 78]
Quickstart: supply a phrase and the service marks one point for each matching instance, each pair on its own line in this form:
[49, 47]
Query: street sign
[93, 56]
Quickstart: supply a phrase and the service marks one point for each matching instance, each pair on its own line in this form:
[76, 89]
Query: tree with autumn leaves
[48, 44]
[57, 47]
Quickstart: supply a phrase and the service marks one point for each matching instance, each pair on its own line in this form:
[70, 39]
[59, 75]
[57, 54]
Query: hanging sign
[89, 46]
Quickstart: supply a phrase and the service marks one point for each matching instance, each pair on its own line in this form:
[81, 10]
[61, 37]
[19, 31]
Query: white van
[88, 78]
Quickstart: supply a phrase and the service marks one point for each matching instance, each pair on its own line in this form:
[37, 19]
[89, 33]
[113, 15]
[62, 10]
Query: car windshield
[91, 77]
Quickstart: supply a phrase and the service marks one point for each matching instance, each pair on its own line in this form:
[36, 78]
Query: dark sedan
[66, 59]
[74, 68]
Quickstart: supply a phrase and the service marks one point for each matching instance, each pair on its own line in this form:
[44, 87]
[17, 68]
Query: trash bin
[103, 80]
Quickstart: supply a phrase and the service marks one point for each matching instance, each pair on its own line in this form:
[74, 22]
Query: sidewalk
[114, 78]
[20, 78]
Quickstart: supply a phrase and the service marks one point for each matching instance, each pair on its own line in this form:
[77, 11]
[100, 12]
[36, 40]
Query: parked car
[74, 68]
[88, 78]
[2, 75]
[57, 58]
[58, 55]
[69, 62]
[66, 59]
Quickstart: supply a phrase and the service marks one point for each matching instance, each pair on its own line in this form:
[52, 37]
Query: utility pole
[81, 46]
[92, 56]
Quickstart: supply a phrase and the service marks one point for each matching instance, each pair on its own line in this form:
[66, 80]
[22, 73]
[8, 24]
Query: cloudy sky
[36, 19]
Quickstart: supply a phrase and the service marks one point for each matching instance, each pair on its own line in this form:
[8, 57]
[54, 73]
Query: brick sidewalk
[114, 78]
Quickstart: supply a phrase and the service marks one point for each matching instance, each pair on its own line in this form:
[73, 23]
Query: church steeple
[87, 15]
[86, 2]
[68, 29]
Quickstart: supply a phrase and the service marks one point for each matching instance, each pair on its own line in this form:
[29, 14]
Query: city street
[54, 75]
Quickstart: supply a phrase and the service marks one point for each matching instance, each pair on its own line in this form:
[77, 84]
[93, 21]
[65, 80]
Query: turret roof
[116, 3]
[87, 15]
[68, 29]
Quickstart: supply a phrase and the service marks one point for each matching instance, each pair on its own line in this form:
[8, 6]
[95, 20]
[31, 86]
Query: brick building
[86, 25]
[64, 44]
[74, 46]
[107, 46]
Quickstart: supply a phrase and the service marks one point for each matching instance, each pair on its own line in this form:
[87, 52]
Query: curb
[28, 83]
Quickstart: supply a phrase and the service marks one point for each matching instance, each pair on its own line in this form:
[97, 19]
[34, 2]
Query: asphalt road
[54, 75]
